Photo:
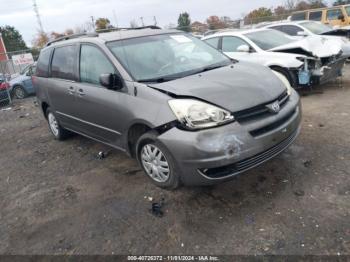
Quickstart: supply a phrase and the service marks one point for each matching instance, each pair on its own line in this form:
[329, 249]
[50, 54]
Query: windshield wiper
[157, 80]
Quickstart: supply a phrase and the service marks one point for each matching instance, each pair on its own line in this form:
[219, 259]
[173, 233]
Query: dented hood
[244, 86]
[316, 46]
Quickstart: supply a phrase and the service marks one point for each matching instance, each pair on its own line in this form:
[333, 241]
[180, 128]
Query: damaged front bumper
[320, 72]
[215, 155]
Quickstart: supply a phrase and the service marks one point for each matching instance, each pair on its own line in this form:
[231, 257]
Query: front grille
[248, 163]
[260, 111]
[276, 124]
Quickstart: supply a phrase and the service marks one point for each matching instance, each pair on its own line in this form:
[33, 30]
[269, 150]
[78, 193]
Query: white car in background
[300, 29]
[309, 61]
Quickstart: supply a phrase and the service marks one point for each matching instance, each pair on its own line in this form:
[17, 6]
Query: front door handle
[81, 92]
[71, 90]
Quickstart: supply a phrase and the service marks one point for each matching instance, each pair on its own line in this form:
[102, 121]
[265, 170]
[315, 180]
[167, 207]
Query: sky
[58, 15]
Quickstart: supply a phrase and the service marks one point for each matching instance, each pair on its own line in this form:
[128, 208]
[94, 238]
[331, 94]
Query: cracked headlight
[194, 114]
[285, 82]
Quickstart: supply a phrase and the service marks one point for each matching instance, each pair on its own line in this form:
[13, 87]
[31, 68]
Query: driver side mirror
[243, 49]
[111, 81]
[302, 33]
[341, 17]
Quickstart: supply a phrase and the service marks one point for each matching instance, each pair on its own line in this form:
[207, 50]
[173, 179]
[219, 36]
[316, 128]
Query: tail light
[4, 86]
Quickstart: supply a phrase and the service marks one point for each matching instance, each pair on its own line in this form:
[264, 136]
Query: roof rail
[94, 34]
[67, 37]
[126, 28]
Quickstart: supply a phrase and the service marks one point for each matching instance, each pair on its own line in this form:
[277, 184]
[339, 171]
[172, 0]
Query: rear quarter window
[42, 69]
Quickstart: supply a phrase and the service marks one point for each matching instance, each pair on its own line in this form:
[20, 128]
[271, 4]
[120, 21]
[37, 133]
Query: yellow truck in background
[334, 16]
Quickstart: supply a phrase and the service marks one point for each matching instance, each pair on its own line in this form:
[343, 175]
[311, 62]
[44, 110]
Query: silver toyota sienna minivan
[185, 111]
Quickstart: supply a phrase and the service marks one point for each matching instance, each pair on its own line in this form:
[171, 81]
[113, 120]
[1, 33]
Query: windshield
[268, 39]
[166, 56]
[316, 28]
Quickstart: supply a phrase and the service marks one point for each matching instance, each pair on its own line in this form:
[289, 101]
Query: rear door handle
[71, 90]
[81, 92]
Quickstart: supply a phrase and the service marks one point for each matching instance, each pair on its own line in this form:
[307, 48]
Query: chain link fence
[8, 71]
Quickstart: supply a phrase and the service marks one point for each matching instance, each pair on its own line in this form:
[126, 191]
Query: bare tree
[133, 24]
[291, 4]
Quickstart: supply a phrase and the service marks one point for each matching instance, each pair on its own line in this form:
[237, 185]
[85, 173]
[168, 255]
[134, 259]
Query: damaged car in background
[310, 61]
[185, 111]
[300, 29]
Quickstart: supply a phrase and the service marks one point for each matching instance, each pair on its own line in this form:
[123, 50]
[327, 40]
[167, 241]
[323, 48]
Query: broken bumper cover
[329, 72]
[211, 156]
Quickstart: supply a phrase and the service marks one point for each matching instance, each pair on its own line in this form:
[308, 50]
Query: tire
[285, 73]
[56, 129]
[155, 166]
[19, 92]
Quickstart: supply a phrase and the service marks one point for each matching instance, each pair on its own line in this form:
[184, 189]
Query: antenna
[155, 20]
[36, 10]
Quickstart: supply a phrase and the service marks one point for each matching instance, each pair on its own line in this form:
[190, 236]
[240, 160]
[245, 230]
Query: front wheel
[157, 162]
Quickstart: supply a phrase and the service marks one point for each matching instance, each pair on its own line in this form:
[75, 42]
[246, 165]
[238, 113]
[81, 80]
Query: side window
[334, 14]
[230, 43]
[315, 16]
[277, 27]
[43, 63]
[93, 63]
[214, 42]
[299, 16]
[64, 62]
[291, 30]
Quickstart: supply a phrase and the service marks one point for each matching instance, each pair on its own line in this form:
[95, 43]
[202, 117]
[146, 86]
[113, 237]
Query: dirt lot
[58, 198]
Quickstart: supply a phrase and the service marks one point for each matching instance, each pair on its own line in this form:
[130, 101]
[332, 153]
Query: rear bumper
[216, 155]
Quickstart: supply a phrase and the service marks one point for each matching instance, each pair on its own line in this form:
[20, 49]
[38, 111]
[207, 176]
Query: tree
[291, 4]
[133, 24]
[55, 35]
[102, 23]
[316, 4]
[280, 10]
[40, 40]
[12, 39]
[258, 15]
[214, 22]
[184, 22]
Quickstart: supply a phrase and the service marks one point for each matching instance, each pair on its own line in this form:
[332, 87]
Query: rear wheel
[56, 129]
[157, 162]
[19, 92]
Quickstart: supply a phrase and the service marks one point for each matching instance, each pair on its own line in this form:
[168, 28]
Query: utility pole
[115, 19]
[141, 18]
[93, 22]
[36, 10]
[155, 20]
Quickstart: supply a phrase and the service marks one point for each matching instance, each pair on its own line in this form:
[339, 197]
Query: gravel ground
[59, 198]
